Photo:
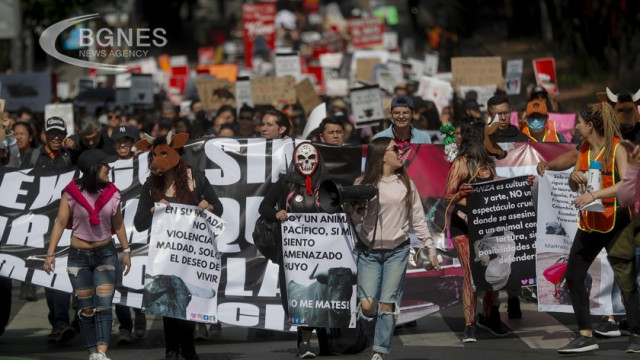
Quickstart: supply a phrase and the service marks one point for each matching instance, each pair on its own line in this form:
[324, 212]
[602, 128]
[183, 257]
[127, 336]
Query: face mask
[536, 125]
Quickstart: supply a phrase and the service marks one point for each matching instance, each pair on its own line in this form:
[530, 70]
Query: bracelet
[127, 249]
[594, 198]
[50, 255]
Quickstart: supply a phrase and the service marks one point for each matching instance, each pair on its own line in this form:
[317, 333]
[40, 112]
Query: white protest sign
[288, 65]
[336, 87]
[141, 91]
[366, 104]
[243, 93]
[331, 60]
[63, 111]
[513, 77]
[123, 80]
[556, 228]
[320, 270]
[417, 68]
[183, 266]
[395, 68]
[390, 40]
[385, 79]
[63, 89]
[431, 64]
[315, 118]
[436, 90]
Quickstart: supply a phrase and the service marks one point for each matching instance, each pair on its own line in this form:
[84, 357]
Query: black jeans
[178, 337]
[584, 250]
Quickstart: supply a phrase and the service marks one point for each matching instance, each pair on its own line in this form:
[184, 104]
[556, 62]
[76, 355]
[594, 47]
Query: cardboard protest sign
[556, 230]
[215, 92]
[545, 71]
[502, 234]
[141, 91]
[366, 104]
[183, 265]
[63, 111]
[474, 71]
[436, 90]
[366, 32]
[273, 90]
[205, 55]
[307, 96]
[32, 90]
[317, 252]
[288, 64]
[259, 29]
[364, 68]
[513, 77]
[243, 93]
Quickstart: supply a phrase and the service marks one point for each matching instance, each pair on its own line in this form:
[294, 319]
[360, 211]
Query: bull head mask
[625, 107]
[164, 150]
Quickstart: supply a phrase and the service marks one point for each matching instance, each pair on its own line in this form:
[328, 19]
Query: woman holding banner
[600, 132]
[383, 249]
[91, 205]
[473, 164]
[172, 181]
[296, 191]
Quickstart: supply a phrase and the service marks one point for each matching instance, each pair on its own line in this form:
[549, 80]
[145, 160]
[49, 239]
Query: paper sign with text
[366, 104]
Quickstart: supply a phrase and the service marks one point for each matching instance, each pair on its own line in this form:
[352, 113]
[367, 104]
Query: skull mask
[306, 159]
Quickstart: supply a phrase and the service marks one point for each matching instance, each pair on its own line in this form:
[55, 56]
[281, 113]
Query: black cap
[90, 157]
[55, 123]
[122, 132]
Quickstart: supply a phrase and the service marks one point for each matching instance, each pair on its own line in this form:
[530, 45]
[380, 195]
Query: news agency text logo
[115, 43]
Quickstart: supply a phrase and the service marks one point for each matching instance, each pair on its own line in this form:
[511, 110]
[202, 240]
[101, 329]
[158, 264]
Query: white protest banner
[513, 77]
[557, 227]
[183, 265]
[320, 269]
[63, 111]
[141, 91]
[288, 64]
[366, 105]
[502, 234]
[243, 93]
[431, 64]
[436, 90]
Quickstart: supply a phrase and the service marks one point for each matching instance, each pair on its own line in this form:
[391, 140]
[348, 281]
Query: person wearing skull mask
[172, 181]
[297, 191]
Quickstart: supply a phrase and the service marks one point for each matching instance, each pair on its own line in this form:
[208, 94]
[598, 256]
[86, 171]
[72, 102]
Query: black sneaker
[493, 323]
[304, 351]
[634, 344]
[579, 345]
[607, 328]
[66, 334]
[469, 335]
[513, 308]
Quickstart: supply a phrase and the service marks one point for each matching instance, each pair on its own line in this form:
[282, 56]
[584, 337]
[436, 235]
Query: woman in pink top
[91, 206]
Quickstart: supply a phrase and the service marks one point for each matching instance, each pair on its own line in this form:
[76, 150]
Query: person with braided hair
[600, 130]
[473, 164]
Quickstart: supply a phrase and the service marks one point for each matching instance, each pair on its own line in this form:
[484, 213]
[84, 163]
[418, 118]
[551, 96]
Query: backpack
[267, 238]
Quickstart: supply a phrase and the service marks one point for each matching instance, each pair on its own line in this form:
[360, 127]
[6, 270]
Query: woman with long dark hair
[600, 131]
[92, 203]
[171, 180]
[473, 164]
[383, 254]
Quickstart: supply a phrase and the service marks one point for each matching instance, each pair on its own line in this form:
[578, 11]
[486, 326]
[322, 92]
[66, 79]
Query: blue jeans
[381, 279]
[89, 270]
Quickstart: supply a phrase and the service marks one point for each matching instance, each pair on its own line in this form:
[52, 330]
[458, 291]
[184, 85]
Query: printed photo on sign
[366, 103]
[184, 267]
[320, 270]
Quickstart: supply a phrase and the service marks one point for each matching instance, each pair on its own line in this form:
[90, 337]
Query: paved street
[536, 336]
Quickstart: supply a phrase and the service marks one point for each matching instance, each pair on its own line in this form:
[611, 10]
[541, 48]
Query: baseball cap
[539, 90]
[402, 100]
[537, 107]
[121, 132]
[90, 157]
[55, 123]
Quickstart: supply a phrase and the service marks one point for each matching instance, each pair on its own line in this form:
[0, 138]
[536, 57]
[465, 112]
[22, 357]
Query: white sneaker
[104, 356]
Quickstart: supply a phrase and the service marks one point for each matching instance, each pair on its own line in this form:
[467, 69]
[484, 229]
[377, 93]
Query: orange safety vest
[594, 221]
[550, 132]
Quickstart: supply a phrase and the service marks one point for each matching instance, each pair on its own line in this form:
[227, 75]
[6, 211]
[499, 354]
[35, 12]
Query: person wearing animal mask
[171, 180]
[297, 191]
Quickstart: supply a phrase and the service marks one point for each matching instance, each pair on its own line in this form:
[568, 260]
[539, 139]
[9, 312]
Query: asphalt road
[535, 336]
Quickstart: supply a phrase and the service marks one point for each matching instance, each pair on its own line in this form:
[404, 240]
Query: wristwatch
[126, 250]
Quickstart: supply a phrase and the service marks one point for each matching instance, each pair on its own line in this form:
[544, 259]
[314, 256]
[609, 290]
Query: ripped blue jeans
[93, 277]
[381, 279]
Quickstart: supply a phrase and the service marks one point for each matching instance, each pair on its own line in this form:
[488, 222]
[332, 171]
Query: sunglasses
[395, 148]
[55, 134]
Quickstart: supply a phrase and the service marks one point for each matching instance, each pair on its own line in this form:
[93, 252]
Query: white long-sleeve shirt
[395, 220]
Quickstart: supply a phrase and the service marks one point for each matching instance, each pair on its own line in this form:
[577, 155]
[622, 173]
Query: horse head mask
[164, 155]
